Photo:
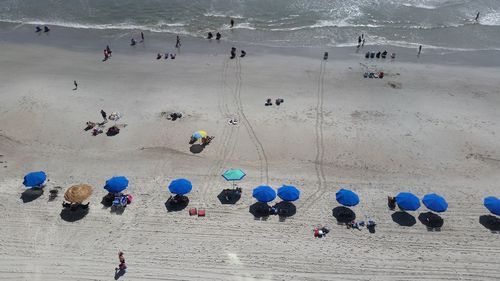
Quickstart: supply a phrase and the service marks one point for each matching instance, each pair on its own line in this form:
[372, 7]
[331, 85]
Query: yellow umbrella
[78, 193]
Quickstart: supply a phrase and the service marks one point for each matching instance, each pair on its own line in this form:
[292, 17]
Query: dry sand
[437, 131]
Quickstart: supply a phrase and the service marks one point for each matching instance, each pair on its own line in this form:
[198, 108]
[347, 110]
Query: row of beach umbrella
[405, 200]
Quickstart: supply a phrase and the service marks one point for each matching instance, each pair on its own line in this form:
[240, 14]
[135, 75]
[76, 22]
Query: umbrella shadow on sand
[285, 210]
[403, 218]
[73, 214]
[31, 194]
[229, 196]
[176, 205]
[432, 221]
[260, 210]
[490, 222]
[343, 214]
[196, 148]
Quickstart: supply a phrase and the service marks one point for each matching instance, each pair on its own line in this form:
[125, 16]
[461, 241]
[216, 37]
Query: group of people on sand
[97, 128]
[218, 36]
[38, 29]
[233, 53]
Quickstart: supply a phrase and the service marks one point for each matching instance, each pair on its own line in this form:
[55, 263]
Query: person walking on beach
[359, 41]
[232, 23]
[178, 43]
[76, 85]
[108, 50]
[103, 113]
[419, 50]
[142, 37]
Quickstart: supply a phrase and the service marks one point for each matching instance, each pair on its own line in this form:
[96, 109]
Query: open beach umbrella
[407, 201]
[435, 202]
[347, 197]
[264, 193]
[34, 179]
[233, 175]
[78, 193]
[180, 186]
[492, 204]
[199, 134]
[116, 184]
[288, 193]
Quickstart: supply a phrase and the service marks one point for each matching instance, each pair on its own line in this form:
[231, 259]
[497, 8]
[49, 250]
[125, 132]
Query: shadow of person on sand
[432, 221]
[31, 194]
[176, 205]
[260, 210]
[73, 214]
[403, 218]
[343, 214]
[490, 222]
[107, 200]
[196, 148]
[229, 196]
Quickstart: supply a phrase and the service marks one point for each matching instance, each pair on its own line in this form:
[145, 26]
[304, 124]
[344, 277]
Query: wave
[492, 19]
[420, 5]
[326, 23]
[177, 27]
[222, 15]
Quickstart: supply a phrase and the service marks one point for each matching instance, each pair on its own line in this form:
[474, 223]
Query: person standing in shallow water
[178, 42]
[419, 50]
[232, 23]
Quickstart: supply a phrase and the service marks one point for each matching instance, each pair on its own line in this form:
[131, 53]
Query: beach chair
[119, 202]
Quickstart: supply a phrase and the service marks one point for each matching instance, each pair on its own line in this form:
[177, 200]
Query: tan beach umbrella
[78, 193]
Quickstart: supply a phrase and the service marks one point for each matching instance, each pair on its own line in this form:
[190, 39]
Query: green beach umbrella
[233, 175]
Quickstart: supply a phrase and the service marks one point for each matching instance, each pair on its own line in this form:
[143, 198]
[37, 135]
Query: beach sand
[436, 130]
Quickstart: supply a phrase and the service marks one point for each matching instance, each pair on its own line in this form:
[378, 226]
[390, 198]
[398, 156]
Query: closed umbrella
[435, 202]
[264, 193]
[180, 186]
[34, 179]
[288, 193]
[347, 197]
[407, 201]
[492, 204]
[116, 184]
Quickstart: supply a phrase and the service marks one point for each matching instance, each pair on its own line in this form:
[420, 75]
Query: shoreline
[93, 40]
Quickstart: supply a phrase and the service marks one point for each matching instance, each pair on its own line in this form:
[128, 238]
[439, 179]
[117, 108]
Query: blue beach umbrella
[116, 184]
[180, 186]
[347, 197]
[288, 193]
[435, 202]
[264, 193]
[34, 179]
[407, 201]
[492, 204]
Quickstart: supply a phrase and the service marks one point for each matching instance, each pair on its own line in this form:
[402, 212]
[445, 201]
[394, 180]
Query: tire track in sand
[263, 163]
[226, 140]
[320, 147]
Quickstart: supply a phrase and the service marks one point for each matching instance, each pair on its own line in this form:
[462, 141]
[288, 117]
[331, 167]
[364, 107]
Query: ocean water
[438, 24]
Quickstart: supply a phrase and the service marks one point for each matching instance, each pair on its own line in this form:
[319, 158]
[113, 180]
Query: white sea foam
[222, 15]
